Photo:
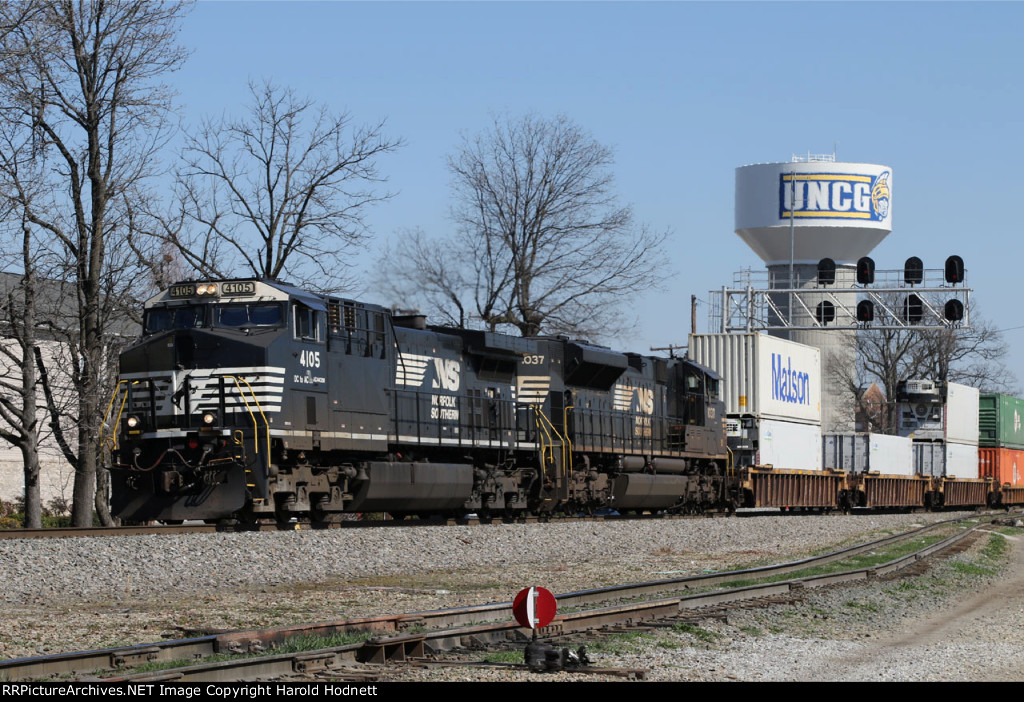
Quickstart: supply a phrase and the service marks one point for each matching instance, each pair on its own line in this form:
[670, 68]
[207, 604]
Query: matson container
[1005, 465]
[868, 453]
[789, 445]
[1001, 421]
[940, 459]
[763, 376]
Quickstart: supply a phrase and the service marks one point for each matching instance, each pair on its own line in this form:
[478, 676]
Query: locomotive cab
[198, 393]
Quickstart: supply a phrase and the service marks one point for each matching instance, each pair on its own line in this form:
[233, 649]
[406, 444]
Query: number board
[188, 290]
[238, 289]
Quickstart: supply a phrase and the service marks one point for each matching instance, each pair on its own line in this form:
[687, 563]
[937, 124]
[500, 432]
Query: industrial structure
[793, 215]
[813, 221]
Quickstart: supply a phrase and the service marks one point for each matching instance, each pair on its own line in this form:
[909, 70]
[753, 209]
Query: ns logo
[645, 400]
[448, 373]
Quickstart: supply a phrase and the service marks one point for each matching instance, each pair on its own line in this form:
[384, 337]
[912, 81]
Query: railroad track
[411, 637]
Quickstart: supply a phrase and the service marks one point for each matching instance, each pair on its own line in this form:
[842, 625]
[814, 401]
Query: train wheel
[283, 504]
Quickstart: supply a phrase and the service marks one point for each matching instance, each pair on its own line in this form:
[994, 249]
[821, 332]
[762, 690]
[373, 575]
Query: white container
[962, 414]
[769, 442]
[962, 460]
[763, 376]
[940, 459]
[864, 453]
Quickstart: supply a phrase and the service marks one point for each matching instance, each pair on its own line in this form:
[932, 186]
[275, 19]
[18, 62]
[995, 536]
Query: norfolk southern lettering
[788, 385]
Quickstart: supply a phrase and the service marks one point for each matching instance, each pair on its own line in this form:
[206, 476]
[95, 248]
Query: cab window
[308, 322]
[251, 315]
[160, 319]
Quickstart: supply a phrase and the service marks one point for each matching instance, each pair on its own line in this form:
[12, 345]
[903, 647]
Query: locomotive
[248, 399]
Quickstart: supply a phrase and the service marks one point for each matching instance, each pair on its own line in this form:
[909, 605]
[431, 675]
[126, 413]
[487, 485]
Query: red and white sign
[534, 607]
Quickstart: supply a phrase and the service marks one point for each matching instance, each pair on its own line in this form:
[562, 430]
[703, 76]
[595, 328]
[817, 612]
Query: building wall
[56, 475]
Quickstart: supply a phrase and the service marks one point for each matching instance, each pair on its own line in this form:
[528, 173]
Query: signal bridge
[910, 299]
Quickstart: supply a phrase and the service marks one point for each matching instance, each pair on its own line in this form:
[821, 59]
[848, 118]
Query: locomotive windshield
[160, 319]
[251, 315]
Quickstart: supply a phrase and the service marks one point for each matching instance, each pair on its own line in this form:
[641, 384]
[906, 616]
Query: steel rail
[257, 641]
[337, 662]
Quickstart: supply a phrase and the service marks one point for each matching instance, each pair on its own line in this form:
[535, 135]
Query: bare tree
[973, 356]
[542, 244]
[18, 381]
[81, 78]
[279, 193]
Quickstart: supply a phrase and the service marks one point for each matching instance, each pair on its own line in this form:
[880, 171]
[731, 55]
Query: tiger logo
[880, 195]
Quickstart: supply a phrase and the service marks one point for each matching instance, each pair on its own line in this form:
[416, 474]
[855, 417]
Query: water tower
[795, 214]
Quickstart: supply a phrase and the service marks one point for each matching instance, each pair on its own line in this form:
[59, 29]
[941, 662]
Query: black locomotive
[250, 399]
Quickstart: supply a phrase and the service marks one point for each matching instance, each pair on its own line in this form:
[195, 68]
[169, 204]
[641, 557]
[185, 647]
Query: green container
[1000, 421]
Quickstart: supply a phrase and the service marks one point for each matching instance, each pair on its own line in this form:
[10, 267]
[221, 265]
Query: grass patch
[864, 560]
[617, 643]
[989, 560]
[505, 657]
[973, 569]
[297, 644]
[996, 549]
[697, 632]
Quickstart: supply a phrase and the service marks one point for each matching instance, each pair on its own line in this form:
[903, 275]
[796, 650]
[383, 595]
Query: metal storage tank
[801, 212]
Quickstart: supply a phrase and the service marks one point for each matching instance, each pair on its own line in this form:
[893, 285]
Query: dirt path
[979, 640]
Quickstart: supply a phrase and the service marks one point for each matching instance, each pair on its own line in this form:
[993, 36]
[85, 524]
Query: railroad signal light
[913, 309]
[866, 270]
[954, 310]
[826, 272]
[954, 270]
[865, 311]
[826, 312]
[913, 271]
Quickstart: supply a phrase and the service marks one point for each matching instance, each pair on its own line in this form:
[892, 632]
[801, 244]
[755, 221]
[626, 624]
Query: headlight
[209, 418]
[133, 422]
[206, 289]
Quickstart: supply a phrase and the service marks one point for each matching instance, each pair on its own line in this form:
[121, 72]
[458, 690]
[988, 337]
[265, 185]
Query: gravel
[124, 590]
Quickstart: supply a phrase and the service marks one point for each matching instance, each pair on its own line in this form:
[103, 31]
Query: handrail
[542, 431]
[551, 444]
[567, 440]
[120, 411]
[256, 428]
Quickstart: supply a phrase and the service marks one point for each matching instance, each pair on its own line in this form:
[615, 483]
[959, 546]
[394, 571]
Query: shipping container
[763, 376]
[1001, 421]
[962, 414]
[1004, 465]
[864, 453]
[938, 411]
[940, 459]
[769, 442]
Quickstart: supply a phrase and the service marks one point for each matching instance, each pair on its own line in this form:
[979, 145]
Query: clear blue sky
[684, 93]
